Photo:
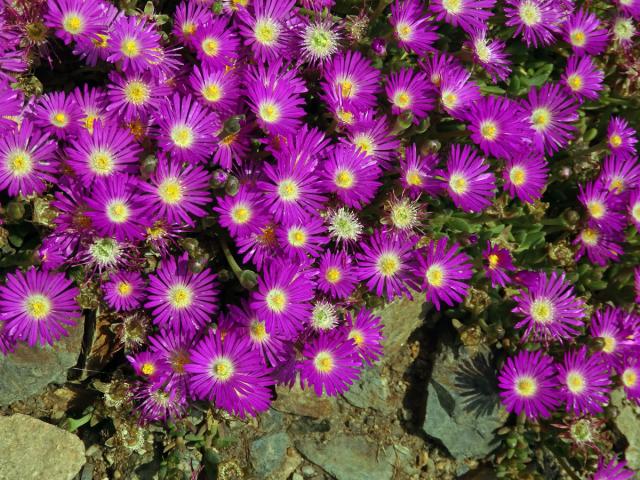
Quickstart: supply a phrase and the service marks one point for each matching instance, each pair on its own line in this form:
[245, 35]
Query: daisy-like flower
[529, 384]
[373, 136]
[365, 329]
[344, 225]
[7, 342]
[616, 337]
[11, 102]
[304, 238]
[26, 160]
[291, 190]
[634, 208]
[216, 44]
[551, 113]
[124, 291]
[620, 174]
[629, 371]
[582, 31]
[266, 28]
[242, 213]
[337, 276]
[94, 48]
[490, 54]
[409, 91]
[330, 364]
[498, 126]
[457, 91]
[526, 177]
[319, 40]
[58, 114]
[621, 138]
[135, 43]
[538, 21]
[584, 382]
[600, 247]
[186, 129]
[323, 316]
[179, 298]
[351, 79]
[227, 371]
[173, 348]
[411, 27]
[283, 297]
[603, 207]
[135, 95]
[629, 7]
[439, 65]
[417, 173]
[261, 246]
[468, 14]
[351, 175]
[107, 151]
[73, 19]
[582, 78]
[623, 30]
[403, 214]
[498, 264]
[117, 209]
[274, 95]
[159, 402]
[470, 184]
[189, 18]
[93, 105]
[178, 194]
[219, 89]
[551, 310]
[444, 271]
[387, 265]
[37, 306]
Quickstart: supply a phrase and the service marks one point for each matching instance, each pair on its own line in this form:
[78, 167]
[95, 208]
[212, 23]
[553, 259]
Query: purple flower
[417, 173]
[265, 28]
[551, 310]
[470, 184]
[614, 470]
[409, 91]
[536, 20]
[582, 78]
[173, 348]
[26, 160]
[351, 82]
[330, 363]
[629, 371]
[365, 329]
[634, 208]
[387, 264]
[457, 92]
[498, 263]
[11, 102]
[303, 239]
[351, 175]
[490, 54]
[73, 19]
[242, 213]
[216, 44]
[228, 372]
[124, 291]
[57, 114]
[159, 402]
[135, 43]
[283, 297]
[439, 65]
[444, 271]
[582, 31]
[149, 366]
[336, 274]
[620, 174]
[468, 14]
[525, 177]
[551, 112]
[529, 384]
[621, 138]
[134, 96]
[412, 28]
[179, 298]
[37, 306]
[599, 246]
[93, 105]
[218, 89]
[607, 325]
[603, 207]
[189, 18]
[584, 382]
[373, 136]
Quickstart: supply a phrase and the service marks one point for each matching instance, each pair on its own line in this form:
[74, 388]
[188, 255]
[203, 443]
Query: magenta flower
[218, 89]
[228, 372]
[599, 246]
[538, 21]
[11, 102]
[124, 291]
[330, 364]
[37, 306]
[173, 348]
[149, 366]
[242, 213]
[93, 105]
[620, 174]
[216, 44]
[73, 19]
[135, 43]
[621, 138]
[526, 177]
[265, 28]
[457, 92]
[582, 31]
[189, 18]
[498, 264]
[470, 184]
[614, 470]
[468, 14]
[490, 54]
[439, 65]
[603, 207]
[634, 209]
[179, 298]
[57, 114]
[409, 91]
[412, 28]
[617, 338]
[134, 96]
[551, 113]
[259, 247]
[303, 239]
[629, 371]
[373, 136]
[417, 173]
[584, 382]
[582, 78]
[365, 329]
[159, 402]
[551, 310]
[529, 384]
[444, 272]
[26, 160]
[337, 276]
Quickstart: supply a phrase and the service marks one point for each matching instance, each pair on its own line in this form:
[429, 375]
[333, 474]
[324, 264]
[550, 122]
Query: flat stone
[350, 458]
[303, 402]
[31, 448]
[370, 391]
[400, 318]
[27, 371]
[268, 453]
[463, 404]
[628, 422]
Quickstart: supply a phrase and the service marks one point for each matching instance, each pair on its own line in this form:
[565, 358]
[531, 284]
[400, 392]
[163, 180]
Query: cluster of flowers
[228, 92]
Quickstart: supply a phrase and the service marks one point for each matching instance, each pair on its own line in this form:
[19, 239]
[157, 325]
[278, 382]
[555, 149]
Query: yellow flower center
[222, 369]
[526, 387]
[182, 136]
[102, 41]
[482, 50]
[297, 237]
[130, 47]
[347, 87]
[629, 378]
[576, 383]
[435, 275]
[518, 176]
[323, 362]
[388, 264]
[136, 92]
[365, 143]
[542, 311]
[266, 31]
[452, 6]
[635, 212]
[615, 140]
[333, 275]
[414, 178]
[188, 28]
[118, 211]
[578, 38]
[258, 331]
[72, 23]
[37, 306]
[212, 92]
[269, 112]
[276, 300]
[148, 368]
[356, 336]
[596, 209]
[494, 260]
[124, 289]
[610, 344]
[589, 236]
[19, 163]
[404, 31]
[344, 116]
[240, 214]
[489, 130]
[617, 184]
[180, 296]
[458, 184]
[541, 118]
[171, 191]
[60, 119]
[575, 82]
[210, 46]
[530, 14]
[101, 162]
[449, 99]
[344, 179]
[402, 99]
[288, 190]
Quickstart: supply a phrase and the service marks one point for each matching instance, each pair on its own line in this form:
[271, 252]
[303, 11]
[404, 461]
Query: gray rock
[463, 404]
[31, 448]
[308, 471]
[628, 422]
[268, 453]
[350, 458]
[27, 371]
[303, 402]
[400, 318]
[296, 476]
[370, 391]
[271, 421]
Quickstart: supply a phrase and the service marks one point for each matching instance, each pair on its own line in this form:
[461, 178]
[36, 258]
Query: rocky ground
[429, 410]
